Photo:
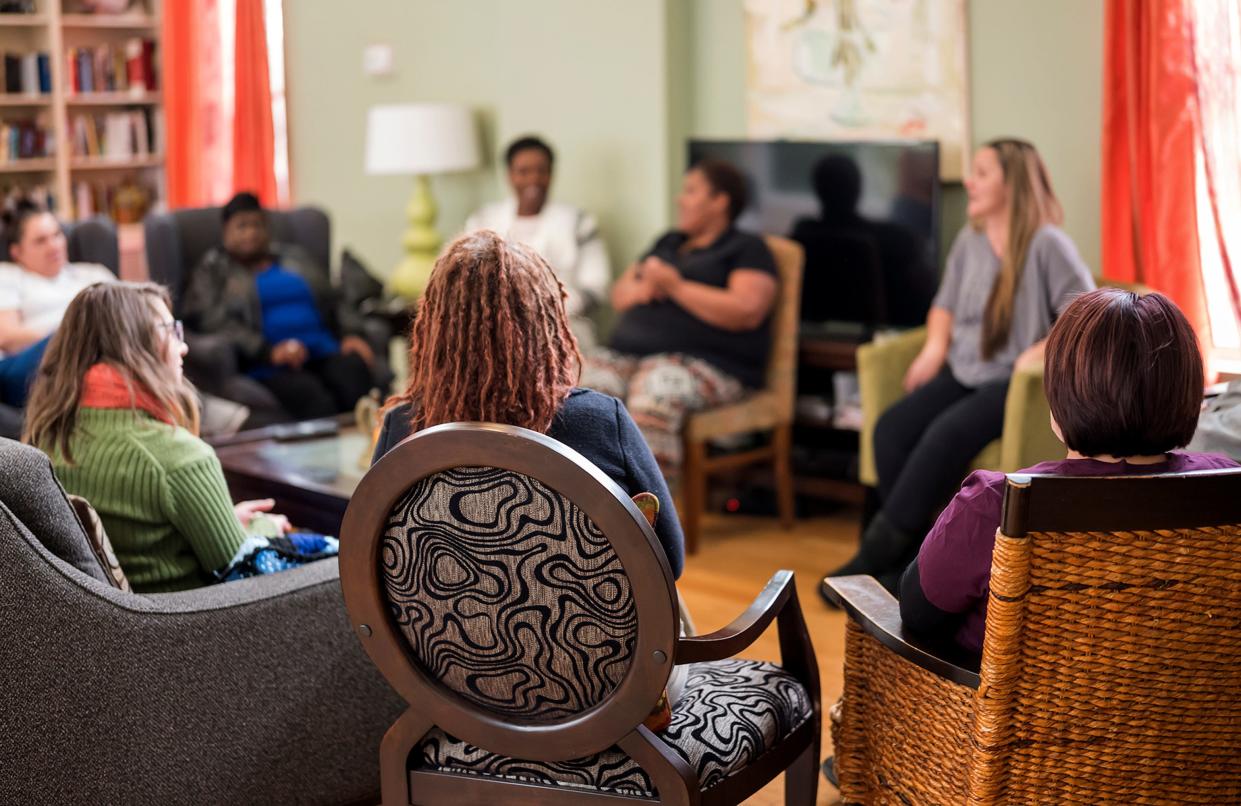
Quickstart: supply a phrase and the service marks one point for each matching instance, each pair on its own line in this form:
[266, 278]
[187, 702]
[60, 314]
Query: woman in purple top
[1124, 380]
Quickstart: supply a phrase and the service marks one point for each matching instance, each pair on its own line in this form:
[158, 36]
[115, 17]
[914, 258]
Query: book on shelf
[126, 200]
[113, 136]
[24, 140]
[27, 73]
[40, 195]
[105, 68]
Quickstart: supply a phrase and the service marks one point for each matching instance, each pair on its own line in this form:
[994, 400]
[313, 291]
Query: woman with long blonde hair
[1010, 272]
[113, 410]
[492, 343]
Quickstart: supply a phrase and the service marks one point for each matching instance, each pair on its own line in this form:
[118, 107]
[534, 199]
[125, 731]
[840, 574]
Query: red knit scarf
[104, 387]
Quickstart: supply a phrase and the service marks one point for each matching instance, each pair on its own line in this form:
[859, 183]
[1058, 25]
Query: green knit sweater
[160, 493]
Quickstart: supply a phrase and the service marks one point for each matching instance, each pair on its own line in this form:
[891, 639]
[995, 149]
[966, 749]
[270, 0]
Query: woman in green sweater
[113, 410]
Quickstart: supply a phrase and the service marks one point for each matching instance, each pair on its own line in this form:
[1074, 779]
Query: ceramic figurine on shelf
[130, 202]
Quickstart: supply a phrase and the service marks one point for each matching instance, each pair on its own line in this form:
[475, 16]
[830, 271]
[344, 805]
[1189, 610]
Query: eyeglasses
[175, 327]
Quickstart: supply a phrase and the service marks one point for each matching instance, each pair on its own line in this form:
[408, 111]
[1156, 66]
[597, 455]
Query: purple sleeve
[954, 564]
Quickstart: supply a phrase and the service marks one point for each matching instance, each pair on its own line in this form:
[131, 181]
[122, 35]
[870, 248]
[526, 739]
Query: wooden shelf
[63, 173]
[37, 165]
[18, 99]
[104, 164]
[22, 20]
[129, 22]
[112, 99]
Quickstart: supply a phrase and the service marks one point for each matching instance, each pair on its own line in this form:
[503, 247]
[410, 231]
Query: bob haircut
[1123, 374]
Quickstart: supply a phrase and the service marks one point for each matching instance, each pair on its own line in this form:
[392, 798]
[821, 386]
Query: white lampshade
[411, 139]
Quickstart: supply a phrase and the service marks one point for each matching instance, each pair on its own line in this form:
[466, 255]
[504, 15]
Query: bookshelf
[93, 104]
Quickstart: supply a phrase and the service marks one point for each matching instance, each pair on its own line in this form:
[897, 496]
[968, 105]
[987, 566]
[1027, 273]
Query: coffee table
[311, 478]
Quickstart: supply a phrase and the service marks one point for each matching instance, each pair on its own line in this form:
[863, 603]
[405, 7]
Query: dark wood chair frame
[615, 721]
[1044, 503]
[700, 465]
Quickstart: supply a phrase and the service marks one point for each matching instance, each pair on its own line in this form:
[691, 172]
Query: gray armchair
[90, 241]
[246, 692]
[176, 241]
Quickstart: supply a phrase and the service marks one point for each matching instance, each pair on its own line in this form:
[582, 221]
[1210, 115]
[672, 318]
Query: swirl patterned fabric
[731, 713]
[508, 593]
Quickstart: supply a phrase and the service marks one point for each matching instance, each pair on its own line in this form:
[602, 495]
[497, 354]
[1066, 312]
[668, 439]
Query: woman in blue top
[492, 343]
[281, 316]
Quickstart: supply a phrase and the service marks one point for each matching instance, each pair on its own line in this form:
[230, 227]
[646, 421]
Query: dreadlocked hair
[491, 341]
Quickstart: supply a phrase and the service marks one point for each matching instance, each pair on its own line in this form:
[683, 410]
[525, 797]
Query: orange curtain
[253, 139]
[1150, 232]
[183, 103]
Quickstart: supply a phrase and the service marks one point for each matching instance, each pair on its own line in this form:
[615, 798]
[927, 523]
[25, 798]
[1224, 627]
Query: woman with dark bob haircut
[1124, 380]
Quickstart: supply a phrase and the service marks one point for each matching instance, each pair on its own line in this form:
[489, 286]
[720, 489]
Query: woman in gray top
[1008, 275]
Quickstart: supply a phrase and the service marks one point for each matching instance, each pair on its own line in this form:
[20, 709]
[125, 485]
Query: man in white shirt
[35, 289]
[566, 237]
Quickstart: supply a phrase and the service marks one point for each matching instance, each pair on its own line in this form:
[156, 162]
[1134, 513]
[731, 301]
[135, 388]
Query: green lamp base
[421, 242]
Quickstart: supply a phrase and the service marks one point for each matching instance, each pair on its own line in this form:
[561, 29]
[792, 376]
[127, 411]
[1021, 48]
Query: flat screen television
[867, 214]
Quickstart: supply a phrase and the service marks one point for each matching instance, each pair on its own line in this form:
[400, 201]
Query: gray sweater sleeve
[1065, 274]
[950, 283]
[1219, 425]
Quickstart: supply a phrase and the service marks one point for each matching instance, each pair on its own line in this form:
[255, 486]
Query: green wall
[617, 86]
[590, 76]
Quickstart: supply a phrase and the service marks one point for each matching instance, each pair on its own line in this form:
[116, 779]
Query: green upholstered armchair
[1027, 437]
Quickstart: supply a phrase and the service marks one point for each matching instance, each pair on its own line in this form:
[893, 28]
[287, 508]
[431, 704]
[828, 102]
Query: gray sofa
[176, 241]
[248, 692]
[90, 241]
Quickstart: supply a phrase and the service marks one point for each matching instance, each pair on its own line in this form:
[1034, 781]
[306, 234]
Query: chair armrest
[879, 614]
[881, 367]
[745, 629]
[1027, 437]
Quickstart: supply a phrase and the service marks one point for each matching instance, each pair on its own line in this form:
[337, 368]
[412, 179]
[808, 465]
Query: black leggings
[322, 387]
[924, 445]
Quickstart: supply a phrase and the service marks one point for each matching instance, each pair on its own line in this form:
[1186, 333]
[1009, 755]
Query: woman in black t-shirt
[694, 327]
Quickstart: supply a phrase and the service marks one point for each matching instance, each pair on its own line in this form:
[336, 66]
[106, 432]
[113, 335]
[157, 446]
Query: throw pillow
[99, 543]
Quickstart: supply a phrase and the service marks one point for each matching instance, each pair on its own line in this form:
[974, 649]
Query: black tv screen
[867, 214]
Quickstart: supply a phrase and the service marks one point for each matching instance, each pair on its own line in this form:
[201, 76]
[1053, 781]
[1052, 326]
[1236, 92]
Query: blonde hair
[106, 323]
[1031, 204]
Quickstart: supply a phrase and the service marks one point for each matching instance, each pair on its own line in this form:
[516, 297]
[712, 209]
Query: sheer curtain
[1216, 31]
[226, 125]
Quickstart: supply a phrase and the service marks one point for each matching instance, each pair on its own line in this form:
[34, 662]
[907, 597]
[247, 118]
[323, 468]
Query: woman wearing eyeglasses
[113, 410]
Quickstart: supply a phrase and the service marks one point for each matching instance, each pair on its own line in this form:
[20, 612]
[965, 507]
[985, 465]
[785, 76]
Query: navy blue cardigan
[599, 428]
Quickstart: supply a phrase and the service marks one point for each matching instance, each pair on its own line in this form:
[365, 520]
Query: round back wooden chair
[521, 604]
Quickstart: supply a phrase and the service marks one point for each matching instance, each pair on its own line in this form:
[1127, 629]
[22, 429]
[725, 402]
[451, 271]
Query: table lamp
[418, 140]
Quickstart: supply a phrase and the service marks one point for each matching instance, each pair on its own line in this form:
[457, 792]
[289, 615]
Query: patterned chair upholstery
[769, 409]
[528, 610]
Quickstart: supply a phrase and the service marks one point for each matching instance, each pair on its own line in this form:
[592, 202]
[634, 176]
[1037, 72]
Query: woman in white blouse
[36, 287]
[565, 236]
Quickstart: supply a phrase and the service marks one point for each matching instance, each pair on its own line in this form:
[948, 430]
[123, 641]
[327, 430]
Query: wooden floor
[738, 555]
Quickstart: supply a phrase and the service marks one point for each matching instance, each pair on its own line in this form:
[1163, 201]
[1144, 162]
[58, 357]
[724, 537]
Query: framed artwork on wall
[858, 70]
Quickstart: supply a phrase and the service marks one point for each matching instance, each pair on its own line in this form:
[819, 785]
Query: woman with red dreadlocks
[492, 343]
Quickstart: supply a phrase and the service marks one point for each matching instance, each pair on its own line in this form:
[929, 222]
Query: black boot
[883, 548]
